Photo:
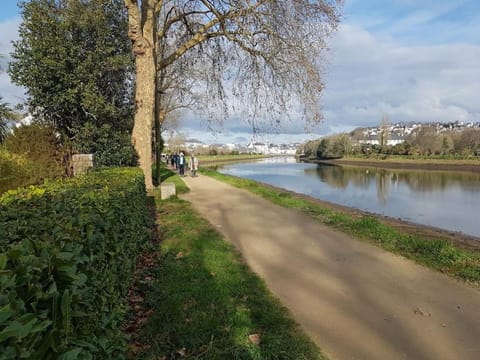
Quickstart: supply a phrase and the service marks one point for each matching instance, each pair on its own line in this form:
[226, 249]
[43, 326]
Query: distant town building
[272, 149]
[393, 139]
[398, 133]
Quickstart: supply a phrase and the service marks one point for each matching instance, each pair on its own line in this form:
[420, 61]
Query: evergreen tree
[74, 58]
[6, 114]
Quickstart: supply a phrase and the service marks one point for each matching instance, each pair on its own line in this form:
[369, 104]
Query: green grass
[439, 254]
[432, 159]
[216, 158]
[168, 175]
[206, 301]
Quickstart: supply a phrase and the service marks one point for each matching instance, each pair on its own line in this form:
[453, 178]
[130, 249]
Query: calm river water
[445, 199]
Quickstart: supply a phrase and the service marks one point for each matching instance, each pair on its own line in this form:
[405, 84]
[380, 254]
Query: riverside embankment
[404, 163]
[446, 200]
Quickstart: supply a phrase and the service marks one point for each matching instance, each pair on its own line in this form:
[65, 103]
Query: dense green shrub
[67, 252]
[110, 146]
[41, 146]
[15, 170]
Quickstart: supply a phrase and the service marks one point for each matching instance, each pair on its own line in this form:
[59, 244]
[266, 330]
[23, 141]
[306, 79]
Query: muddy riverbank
[455, 165]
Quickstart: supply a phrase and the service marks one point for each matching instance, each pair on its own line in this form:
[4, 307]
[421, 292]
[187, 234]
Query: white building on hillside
[258, 148]
[392, 139]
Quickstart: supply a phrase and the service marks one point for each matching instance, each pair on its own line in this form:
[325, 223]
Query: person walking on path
[177, 158]
[181, 164]
[193, 164]
[355, 300]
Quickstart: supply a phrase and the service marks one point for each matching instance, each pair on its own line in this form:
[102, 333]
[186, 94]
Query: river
[448, 200]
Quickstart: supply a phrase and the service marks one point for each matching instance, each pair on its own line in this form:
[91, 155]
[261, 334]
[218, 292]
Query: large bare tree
[270, 52]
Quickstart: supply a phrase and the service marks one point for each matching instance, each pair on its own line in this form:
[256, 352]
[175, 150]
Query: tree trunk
[142, 31]
[159, 119]
[144, 113]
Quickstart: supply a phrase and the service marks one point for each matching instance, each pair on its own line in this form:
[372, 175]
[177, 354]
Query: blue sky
[9, 9]
[417, 22]
[411, 60]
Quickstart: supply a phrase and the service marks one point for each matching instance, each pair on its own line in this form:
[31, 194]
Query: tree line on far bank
[424, 141]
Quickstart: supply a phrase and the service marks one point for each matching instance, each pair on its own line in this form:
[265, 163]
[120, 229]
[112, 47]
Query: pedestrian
[172, 160]
[177, 158]
[193, 164]
[181, 164]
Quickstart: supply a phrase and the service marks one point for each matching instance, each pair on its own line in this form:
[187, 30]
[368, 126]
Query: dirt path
[355, 301]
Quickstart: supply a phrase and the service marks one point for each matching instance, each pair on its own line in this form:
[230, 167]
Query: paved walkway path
[354, 300]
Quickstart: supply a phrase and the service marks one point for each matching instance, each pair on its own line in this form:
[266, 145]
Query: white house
[258, 148]
[393, 139]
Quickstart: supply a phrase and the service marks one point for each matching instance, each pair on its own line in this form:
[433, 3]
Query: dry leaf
[179, 255]
[182, 352]
[136, 299]
[419, 311]
[254, 339]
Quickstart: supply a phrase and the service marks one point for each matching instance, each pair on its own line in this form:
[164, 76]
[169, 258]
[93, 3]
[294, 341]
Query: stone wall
[81, 163]
[167, 190]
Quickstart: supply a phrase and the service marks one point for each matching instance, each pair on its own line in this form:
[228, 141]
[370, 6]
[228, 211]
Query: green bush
[15, 170]
[41, 146]
[67, 252]
[110, 146]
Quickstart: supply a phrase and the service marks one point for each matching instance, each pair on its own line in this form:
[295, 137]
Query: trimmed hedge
[67, 253]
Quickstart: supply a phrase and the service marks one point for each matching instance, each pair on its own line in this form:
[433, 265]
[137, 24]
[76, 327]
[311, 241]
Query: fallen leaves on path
[421, 312]
[254, 338]
[142, 278]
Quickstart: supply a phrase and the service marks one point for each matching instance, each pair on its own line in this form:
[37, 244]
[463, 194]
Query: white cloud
[370, 77]
[10, 93]
[9, 31]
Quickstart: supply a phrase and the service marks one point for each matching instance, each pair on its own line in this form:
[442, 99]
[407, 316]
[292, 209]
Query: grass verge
[432, 159]
[439, 254]
[205, 303]
[220, 158]
[168, 175]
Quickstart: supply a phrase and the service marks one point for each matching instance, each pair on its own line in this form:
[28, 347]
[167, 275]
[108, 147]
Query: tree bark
[159, 119]
[141, 30]
[144, 113]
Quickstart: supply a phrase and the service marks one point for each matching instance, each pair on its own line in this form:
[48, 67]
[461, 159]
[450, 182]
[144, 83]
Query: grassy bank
[168, 175]
[220, 159]
[409, 162]
[434, 159]
[438, 254]
[203, 302]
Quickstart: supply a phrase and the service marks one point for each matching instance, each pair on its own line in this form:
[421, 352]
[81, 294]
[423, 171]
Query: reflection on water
[444, 199]
[418, 181]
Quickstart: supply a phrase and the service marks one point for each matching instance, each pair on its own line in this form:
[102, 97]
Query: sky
[409, 60]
